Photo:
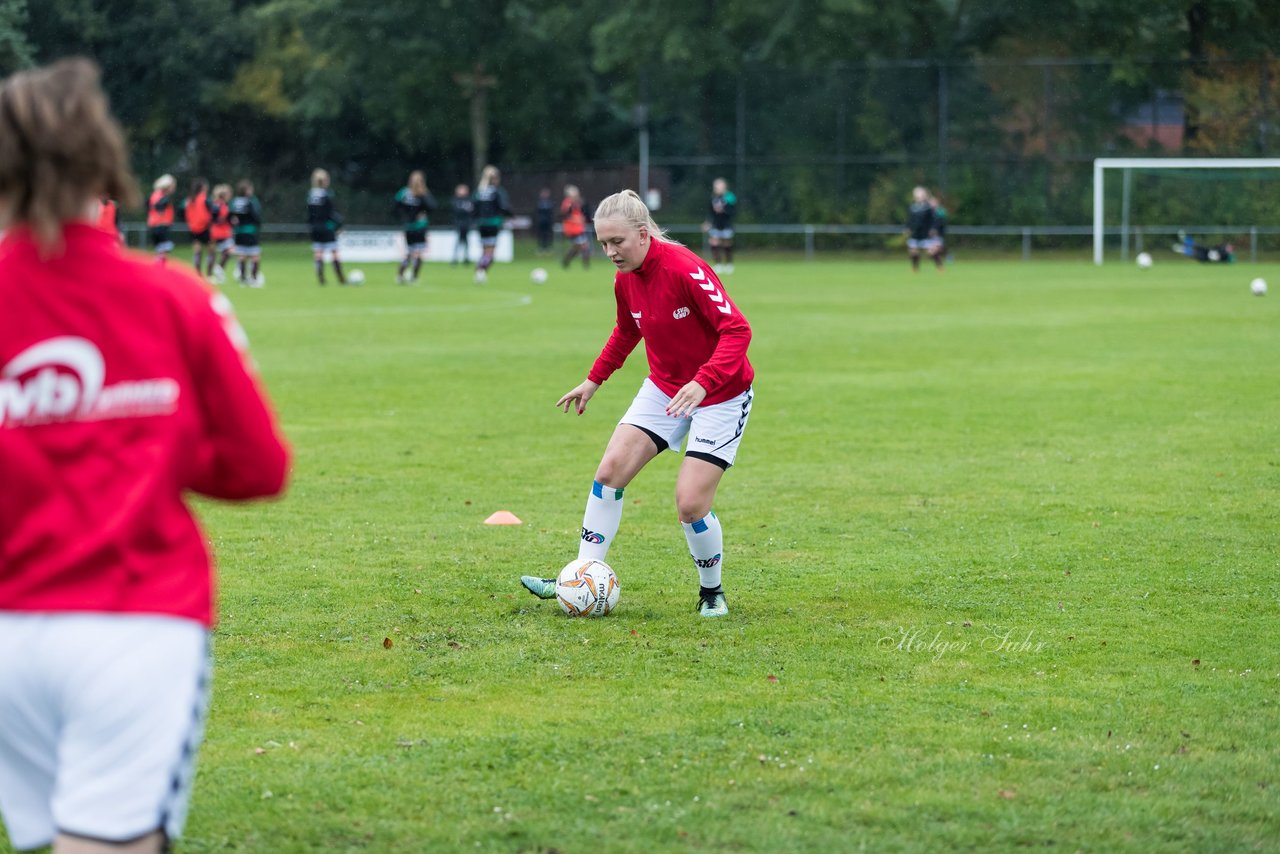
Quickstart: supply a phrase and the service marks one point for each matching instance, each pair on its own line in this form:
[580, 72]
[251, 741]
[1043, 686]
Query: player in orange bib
[220, 233]
[109, 217]
[160, 216]
[197, 211]
[573, 219]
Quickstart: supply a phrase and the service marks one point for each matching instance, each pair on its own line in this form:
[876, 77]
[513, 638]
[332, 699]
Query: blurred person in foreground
[124, 385]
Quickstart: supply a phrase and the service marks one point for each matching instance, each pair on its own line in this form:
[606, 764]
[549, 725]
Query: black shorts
[489, 231]
[415, 236]
[200, 236]
[159, 234]
[247, 239]
[323, 235]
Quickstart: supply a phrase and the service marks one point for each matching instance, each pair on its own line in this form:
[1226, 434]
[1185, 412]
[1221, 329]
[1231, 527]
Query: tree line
[823, 110]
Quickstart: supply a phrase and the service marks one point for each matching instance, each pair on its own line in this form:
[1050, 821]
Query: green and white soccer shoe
[543, 588]
[712, 604]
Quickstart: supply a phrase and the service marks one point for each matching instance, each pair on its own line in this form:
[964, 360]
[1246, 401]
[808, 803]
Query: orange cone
[503, 517]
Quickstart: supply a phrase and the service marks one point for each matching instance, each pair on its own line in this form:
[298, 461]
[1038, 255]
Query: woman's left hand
[686, 400]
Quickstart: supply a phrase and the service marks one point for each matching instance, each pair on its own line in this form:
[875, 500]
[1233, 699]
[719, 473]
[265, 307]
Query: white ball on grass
[1144, 260]
[356, 277]
[1259, 287]
[539, 275]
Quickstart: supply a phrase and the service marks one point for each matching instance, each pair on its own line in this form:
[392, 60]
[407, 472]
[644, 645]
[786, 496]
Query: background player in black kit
[544, 220]
[939, 249]
[463, 210]
[719, 225]
[414, 204]
[246, 222]
[325, 222]
[921, 234]
[491, 210]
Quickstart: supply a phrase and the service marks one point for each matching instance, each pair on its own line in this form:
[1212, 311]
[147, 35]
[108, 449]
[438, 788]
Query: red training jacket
[123, 384]
[691, 329]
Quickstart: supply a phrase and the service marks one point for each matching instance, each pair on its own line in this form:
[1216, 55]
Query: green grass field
[1001, 552]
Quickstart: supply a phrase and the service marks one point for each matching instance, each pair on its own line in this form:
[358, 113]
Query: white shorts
[226, 244]
[100, 719]
[416, 247]
[714, 431]
[721, 233]
[246, 251]
[164, 246]
[926, 243]
[330, 246]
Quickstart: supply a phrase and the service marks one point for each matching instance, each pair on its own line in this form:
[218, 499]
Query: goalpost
[1102, 164]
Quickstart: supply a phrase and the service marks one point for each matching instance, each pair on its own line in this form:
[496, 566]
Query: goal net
[1156, 197]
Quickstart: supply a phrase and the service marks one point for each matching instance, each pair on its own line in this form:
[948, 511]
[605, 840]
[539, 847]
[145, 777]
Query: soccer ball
[539, 275]
[587, 588]
[1259, 287]
[1144, 260]
[356, 277]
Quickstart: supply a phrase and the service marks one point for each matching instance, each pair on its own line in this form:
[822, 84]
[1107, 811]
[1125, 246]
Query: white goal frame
[1102, 164]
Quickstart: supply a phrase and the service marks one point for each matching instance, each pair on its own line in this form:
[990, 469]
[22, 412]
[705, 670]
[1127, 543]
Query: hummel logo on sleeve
[713, 293]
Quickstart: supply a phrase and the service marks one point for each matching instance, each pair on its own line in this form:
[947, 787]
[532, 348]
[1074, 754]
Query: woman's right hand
[578, 397]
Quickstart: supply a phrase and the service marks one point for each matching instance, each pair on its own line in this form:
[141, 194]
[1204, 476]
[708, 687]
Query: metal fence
[805, 237]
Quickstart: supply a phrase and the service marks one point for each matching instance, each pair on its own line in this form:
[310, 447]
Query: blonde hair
[489, 176]
[319, 178]
[571, 190]
[59, 148]
[417, 183]
[222, 191]
[165, 180]
[628, 207]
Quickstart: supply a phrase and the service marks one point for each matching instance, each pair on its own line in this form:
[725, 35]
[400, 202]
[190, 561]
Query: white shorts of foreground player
[713, 431]
[100, 719]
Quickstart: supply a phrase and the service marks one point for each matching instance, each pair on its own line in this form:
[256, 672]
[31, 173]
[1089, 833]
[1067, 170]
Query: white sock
[706, 545]
[600, 521]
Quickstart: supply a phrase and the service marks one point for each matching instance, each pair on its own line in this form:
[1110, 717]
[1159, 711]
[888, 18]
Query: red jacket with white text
[691, 329]
[123, 384]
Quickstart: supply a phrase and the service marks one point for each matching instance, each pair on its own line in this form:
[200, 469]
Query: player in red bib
[699, 386]
[124, 386]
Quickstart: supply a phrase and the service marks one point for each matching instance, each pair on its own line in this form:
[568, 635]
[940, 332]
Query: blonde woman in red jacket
[124, 385]
[698, 388]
